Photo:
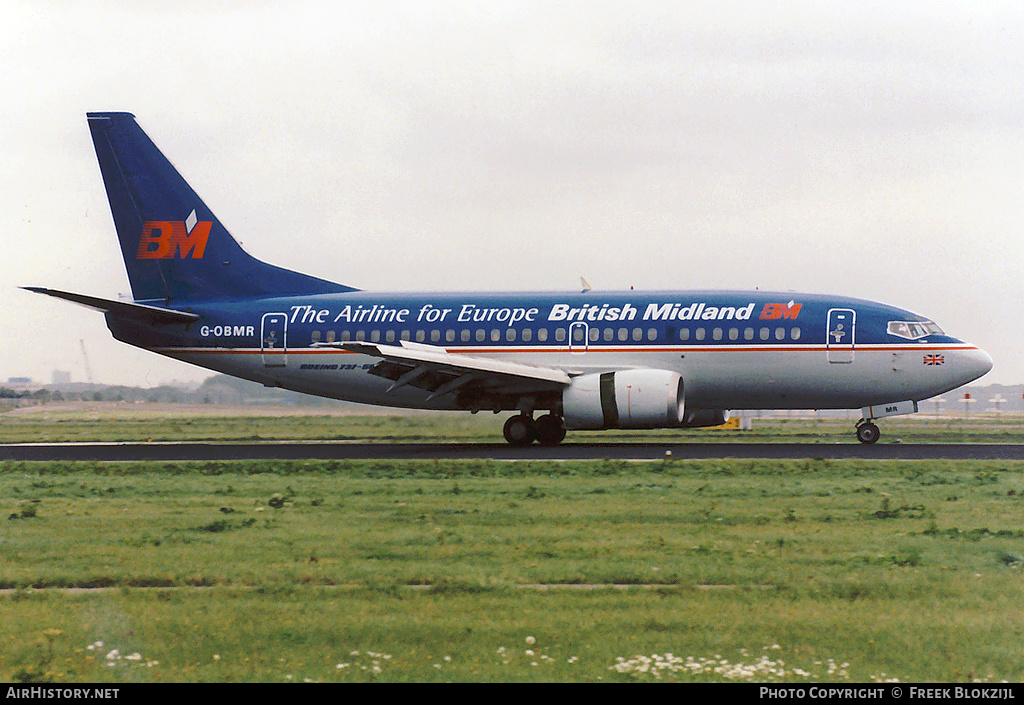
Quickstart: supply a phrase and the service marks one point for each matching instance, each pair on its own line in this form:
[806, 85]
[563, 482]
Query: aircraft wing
[440, 372]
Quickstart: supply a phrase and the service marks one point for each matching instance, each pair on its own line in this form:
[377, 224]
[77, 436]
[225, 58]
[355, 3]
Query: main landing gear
[522, 430]
[867, 432]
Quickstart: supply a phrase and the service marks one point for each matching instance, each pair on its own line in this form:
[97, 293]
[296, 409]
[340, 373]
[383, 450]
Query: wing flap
[440, 372]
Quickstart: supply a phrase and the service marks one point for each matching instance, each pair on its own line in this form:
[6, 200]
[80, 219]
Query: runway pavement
[499, 451]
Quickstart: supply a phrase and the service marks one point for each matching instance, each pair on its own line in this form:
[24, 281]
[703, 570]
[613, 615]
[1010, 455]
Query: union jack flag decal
[934, 359]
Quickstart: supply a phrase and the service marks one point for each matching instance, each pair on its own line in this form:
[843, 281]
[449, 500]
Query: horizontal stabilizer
[122, 309]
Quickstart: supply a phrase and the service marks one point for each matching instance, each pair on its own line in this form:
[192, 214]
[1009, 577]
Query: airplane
[577, 360]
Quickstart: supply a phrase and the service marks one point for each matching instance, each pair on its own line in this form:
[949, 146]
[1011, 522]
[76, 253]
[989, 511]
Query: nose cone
[972, 364]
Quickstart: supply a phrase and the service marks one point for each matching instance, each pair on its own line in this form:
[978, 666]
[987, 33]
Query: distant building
[61, 377]
[19, 380]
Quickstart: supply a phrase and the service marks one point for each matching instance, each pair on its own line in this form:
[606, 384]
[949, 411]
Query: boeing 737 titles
[587, 360]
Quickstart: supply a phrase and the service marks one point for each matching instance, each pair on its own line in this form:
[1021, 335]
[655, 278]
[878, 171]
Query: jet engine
[633, 399]
[624, 399]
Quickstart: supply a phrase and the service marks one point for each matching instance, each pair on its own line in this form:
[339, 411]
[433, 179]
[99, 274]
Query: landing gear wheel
[550, 430]
[868, 432]
[520, 430]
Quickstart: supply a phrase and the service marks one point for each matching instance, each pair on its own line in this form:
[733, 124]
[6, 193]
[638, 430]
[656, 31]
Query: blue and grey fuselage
[628, 359]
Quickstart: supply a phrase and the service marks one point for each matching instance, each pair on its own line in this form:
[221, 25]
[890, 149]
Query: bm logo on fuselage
[169, 239]
[772, 312]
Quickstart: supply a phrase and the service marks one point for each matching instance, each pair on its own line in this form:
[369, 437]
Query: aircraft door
[841, 334]
[274, 337]
[579, 337]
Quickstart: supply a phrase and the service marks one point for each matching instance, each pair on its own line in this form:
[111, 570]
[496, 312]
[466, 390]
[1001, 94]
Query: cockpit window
[912, 330]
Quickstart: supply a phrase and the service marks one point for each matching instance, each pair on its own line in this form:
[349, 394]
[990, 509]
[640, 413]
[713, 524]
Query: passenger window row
[541, 335]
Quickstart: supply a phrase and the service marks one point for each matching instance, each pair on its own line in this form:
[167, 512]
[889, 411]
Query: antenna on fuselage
[585, 284]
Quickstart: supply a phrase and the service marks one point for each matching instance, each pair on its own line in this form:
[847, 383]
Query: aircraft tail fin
[174, 247]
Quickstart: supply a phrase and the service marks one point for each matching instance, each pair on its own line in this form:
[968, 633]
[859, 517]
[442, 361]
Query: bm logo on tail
[167, 239]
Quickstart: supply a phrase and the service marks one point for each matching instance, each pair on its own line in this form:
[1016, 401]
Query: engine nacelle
[625, 399]
[699, 418]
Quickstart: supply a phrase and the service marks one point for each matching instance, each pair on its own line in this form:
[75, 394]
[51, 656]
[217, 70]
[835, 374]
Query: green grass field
[105, 422]
[433, 571]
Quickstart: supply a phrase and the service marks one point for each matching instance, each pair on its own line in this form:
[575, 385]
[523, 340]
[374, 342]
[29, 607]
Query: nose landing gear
[867, 432]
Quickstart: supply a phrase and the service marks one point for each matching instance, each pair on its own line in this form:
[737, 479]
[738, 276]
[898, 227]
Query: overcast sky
[872, 149]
